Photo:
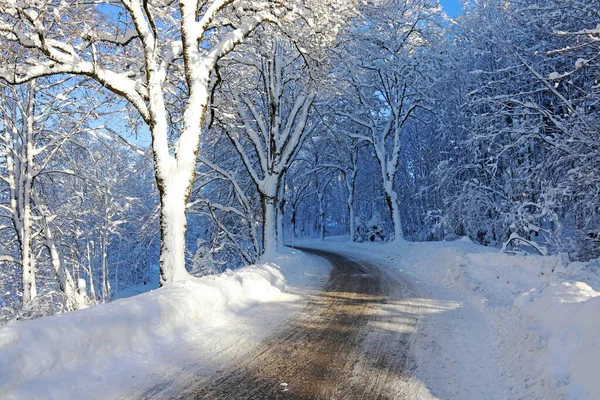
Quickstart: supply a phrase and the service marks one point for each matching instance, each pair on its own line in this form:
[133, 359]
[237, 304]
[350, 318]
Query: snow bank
[567, 310]
[145, 326]
[560, 303]
[543, 310]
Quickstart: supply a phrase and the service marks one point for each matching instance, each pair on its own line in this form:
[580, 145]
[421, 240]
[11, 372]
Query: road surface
[351, 341]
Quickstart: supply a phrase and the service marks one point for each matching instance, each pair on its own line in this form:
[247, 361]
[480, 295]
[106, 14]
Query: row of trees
[270, 120]
[485, 126]
[305, 125]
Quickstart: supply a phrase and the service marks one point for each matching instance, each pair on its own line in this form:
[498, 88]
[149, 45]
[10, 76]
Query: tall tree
[268, 123]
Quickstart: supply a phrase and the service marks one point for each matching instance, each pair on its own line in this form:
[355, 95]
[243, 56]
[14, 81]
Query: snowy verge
[566, 310]
[200, 317]
[543, 310]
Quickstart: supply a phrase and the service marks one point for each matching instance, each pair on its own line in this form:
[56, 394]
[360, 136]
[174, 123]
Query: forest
[144, 141]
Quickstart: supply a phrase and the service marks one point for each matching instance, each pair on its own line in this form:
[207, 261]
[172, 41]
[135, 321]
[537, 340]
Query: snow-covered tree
[385, 87]
[268, 121]
[518, 120]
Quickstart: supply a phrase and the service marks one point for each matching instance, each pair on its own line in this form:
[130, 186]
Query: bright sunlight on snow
[433, 167]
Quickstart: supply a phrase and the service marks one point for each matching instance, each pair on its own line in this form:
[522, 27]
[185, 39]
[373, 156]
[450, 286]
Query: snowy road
[350, 342]
[373, 332]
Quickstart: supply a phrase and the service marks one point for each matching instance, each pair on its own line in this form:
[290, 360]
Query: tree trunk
[254, 234]
[392, 200]
[293, 221]
[322, 223]
[269, 226]
[27, 257]
[27, 260]
[64, 278]
[280, 208]
[175, 172]
[352, 222]
[105, 277]
[173, 226]
[321, 216]
[25, 190]
[91, 274]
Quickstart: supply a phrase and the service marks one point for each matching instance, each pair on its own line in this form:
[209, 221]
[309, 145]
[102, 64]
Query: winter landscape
[304, 199]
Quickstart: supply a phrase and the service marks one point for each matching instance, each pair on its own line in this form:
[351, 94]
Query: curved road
[350, 342]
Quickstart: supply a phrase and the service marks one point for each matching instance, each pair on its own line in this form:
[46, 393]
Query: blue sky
[452, 7]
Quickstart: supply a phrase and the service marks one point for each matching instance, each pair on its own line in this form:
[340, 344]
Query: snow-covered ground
[497, 326]
[526, 327]
[122, 348]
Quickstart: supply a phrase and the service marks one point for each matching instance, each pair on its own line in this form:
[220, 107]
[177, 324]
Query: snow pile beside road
[561, 305]
[150, 326]
[501, 277]
[545, 313]
[567, 310]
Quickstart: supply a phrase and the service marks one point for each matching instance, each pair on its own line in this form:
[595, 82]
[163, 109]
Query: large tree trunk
[173, 226]
[269, 226]
[269, 198]
[280, 209]
[392, 200]
[175, 173]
